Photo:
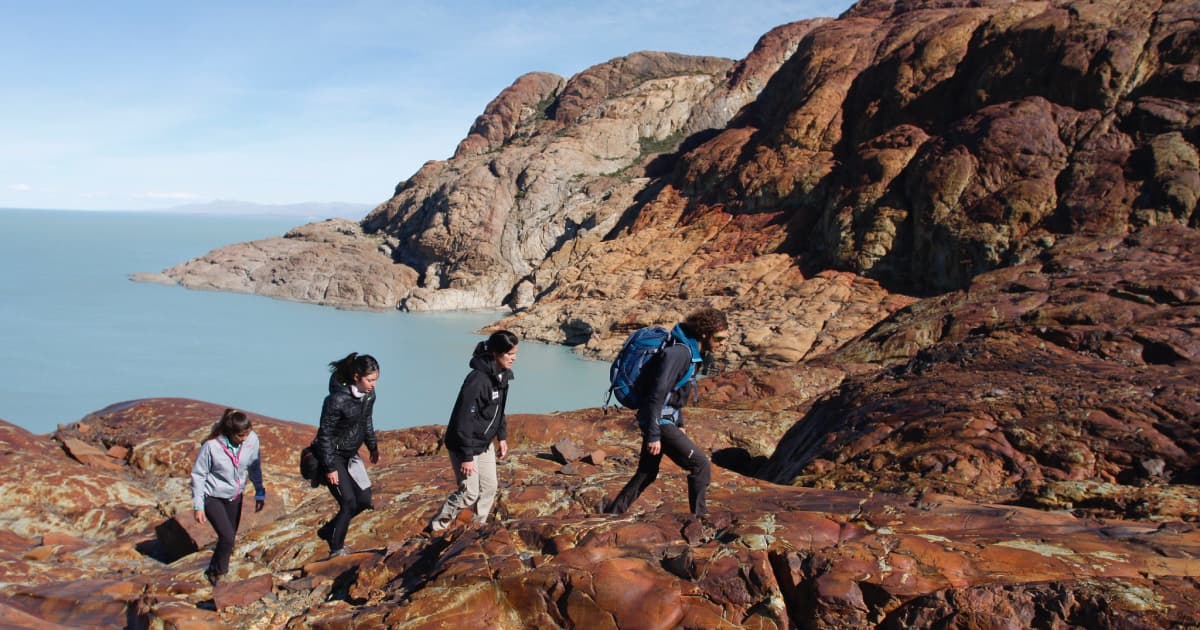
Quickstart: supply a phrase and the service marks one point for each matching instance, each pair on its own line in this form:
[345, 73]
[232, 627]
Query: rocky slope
[98, 534]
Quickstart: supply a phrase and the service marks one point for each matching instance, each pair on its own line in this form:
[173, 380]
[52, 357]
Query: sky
[132, 105]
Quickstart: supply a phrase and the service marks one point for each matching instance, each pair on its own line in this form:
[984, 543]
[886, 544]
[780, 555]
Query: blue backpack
[641, 346]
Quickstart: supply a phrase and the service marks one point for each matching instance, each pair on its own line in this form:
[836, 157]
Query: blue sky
[137, 105]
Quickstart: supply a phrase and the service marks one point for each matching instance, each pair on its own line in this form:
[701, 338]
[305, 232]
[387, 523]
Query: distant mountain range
[319, 210]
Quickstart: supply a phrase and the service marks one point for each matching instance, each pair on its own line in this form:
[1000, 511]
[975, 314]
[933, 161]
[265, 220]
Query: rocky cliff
[841, 170]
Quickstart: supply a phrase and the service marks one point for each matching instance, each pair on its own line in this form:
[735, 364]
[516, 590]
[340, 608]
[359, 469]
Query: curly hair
[705, 321]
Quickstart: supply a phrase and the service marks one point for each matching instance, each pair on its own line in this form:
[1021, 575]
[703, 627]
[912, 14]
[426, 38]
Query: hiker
[665, 384]
[478, 431]
[227, 457]
[347, 424]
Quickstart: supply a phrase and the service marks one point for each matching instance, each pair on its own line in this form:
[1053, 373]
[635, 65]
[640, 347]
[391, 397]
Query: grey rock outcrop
[547, 161]
[331, 262]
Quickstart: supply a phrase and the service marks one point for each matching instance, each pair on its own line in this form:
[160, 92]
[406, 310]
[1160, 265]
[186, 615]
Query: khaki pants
[477, 491]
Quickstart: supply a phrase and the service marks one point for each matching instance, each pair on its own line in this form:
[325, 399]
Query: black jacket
[478, 416]
[346, 424]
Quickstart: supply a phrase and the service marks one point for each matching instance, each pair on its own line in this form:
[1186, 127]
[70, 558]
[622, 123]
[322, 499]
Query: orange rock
[637, 594]
[242, 592]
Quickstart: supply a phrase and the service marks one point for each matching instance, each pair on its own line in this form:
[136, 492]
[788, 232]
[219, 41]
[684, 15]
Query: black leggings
[350, 499]
[685, 454]
[224, 515]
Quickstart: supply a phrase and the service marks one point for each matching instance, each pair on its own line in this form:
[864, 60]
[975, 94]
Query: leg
[647, 472]
[223, 514]
[466, 496]
[689, 457]
[363, 498]
[347, 497]
[485, 468]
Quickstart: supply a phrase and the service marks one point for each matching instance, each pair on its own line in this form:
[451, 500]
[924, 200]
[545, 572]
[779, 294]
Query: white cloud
[20, 187]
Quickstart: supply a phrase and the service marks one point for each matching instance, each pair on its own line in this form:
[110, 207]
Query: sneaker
[339, 553]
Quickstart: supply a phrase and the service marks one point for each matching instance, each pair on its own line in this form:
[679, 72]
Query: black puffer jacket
[346, 424]
[478, 416]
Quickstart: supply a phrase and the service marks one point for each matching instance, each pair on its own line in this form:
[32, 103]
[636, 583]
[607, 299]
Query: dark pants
[685, 454]
[224, 515]
[350, 499]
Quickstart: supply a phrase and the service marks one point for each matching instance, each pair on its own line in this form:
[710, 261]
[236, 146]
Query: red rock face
[924, 143]
[768, 555]
[1069, 382]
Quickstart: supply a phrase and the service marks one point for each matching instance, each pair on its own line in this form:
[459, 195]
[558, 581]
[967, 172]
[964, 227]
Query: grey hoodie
[214, 474]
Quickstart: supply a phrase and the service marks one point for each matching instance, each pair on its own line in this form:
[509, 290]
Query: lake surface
[76, 335]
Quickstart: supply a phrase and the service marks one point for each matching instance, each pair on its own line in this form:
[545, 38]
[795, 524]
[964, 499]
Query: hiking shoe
[339, 553]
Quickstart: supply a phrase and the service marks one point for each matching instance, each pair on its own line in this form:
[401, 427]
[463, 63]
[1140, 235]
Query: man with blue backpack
[655, 373]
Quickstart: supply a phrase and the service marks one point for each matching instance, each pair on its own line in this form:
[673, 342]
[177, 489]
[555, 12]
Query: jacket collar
[482, 361]
[692, 344]
[336, 386]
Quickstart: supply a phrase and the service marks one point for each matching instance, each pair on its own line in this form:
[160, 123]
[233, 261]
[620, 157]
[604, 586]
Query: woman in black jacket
[478, 431]
[347, 424]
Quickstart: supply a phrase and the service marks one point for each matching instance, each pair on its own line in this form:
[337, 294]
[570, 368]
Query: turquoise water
[76, 335]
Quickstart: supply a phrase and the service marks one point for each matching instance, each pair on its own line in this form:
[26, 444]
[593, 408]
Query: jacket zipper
[495, 415]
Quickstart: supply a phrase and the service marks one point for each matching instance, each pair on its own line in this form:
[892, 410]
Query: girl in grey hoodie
[227, 458]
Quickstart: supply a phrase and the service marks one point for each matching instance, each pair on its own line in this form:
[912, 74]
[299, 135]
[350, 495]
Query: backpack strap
[693, 346]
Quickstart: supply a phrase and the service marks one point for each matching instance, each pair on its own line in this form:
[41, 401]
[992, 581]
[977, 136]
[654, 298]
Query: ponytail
[500, 342]
[353, 365]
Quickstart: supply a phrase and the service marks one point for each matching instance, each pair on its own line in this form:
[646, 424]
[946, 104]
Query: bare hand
[467, 468]
[503, 448]
[655, 447]
[199, 516]
[258, 505]
[332, 478]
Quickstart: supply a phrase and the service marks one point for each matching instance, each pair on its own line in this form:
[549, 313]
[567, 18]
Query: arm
[200, 471]
[502, 432]
[256, 477]
[671, 366]
[369, 434]
[325, 432]
[471, 398]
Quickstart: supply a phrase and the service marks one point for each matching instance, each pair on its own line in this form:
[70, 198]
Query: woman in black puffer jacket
[347, 424]
[478, 431]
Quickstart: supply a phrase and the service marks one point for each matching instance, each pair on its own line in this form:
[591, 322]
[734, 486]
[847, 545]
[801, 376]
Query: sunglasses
[720, 338]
